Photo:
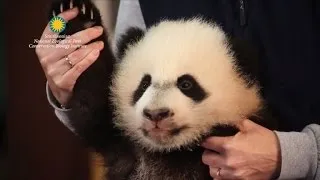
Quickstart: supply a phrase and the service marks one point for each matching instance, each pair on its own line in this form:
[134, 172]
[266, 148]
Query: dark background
[39, 146]
[3, 137]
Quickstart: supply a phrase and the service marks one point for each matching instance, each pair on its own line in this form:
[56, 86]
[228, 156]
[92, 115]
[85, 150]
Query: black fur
[132, 36]
[144, 84]
[191, 88]
[78, 23]
[92, 113]
[247, 59]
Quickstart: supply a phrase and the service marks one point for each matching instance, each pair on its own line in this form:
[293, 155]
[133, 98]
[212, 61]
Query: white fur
[169, 50]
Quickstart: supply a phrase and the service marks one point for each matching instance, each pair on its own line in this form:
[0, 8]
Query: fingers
[66, 82]
[47, 36]
[214, 172]
[79, 55]
[212, 158]
[216, 163]
[62, 66]
[221, 173]
[60, 77]
[216, 143]
[51, 56]
[73, 74]
[247, 125]
[79, 38]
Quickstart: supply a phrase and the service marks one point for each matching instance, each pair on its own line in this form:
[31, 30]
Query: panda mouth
[177, 131]
[162, 133]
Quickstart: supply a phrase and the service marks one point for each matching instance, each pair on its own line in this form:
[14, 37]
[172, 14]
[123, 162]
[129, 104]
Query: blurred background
[34, 144]
[39, 146]
[3, 129]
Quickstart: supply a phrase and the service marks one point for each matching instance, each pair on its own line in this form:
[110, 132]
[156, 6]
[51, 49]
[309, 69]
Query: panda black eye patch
[191, 88]
[143, 86]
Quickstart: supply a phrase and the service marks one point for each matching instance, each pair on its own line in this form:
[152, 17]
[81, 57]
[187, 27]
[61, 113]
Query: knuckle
[238, 174]
[230, 163]
[79, 68]
[85, 36]
[44, 61]
[75, 55]
[38, 50]
[227, 146]
[91, 59]
[50, 72]
[93, 32]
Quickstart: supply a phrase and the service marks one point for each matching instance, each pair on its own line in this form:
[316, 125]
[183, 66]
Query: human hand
[63, 66]
[253, 153]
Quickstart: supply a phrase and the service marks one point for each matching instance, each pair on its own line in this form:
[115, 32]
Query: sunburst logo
[57, 24]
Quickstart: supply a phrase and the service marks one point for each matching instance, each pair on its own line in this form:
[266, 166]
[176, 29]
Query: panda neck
[179, 163]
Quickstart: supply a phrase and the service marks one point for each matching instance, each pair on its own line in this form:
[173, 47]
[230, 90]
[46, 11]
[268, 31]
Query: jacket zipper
[243, 18]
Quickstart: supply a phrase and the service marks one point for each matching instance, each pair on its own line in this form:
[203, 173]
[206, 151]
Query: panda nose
[157, 114]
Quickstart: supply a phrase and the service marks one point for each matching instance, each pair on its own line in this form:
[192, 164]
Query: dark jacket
[285, 34]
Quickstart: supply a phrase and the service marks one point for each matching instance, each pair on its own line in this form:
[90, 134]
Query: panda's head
[176, 81]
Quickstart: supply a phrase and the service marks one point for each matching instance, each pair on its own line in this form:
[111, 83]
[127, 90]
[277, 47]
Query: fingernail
[101, 45]
[98, 28]
[74, 10]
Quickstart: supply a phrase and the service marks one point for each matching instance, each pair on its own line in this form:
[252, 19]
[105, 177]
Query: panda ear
[130, 37]
[247, 59]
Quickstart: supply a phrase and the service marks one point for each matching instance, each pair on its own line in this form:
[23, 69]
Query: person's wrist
[61, 103]
[277, 171]
[54, 101]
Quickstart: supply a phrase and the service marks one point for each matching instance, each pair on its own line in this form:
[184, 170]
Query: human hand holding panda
[253, 153]
[60, 77]
[148, 108]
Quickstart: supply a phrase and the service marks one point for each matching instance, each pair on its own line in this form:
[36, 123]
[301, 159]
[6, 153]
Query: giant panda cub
[147, 108]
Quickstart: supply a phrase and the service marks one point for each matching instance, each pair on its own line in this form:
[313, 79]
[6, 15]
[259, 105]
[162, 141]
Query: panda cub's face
[176, 83]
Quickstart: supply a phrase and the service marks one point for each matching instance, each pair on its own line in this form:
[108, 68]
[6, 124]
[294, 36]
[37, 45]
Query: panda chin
[160, 140]
[156, 132]
[217, 130]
